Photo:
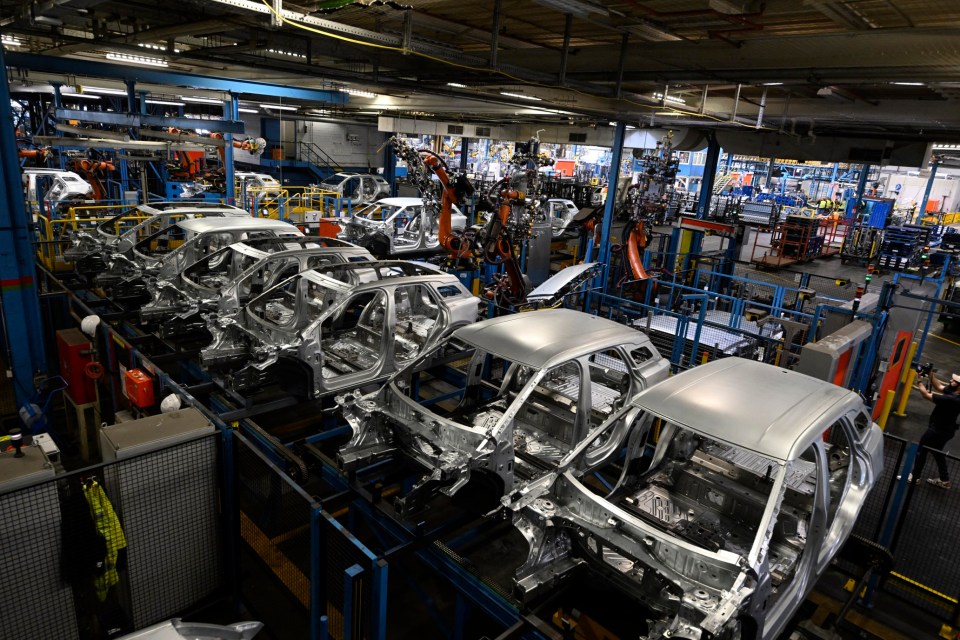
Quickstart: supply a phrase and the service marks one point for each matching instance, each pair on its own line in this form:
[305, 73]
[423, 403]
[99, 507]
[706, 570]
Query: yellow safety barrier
[885, 410]
[290, 203]
[53, 235]
[905, 393]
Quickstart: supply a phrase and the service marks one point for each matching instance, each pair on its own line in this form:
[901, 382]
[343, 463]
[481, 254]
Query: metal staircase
[317, 158]
[721, 183]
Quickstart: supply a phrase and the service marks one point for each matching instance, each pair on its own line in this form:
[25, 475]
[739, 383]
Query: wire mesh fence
[110, 548]
[927, 559]
[274, 522]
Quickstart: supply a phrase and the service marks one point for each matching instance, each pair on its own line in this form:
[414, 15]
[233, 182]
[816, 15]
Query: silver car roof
[768, 410]
[202, 225]
[540, 338]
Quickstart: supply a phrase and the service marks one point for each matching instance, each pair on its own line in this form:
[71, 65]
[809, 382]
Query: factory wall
[350, 145]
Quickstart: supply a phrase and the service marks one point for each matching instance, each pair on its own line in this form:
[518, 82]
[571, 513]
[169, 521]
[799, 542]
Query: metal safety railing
[292, 204]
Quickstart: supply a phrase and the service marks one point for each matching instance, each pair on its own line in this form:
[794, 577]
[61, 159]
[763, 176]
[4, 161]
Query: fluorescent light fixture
[360, 93]
[200, 100]
[82, 96]
[457, 85]
[278, 107]
[668, 113]
[242, 110]
[135, 59]
[292, 54]
[772, 84]
[669, 98]
[155, 47]
[10, 41]
[630, 126]
[104, 91]
[166, 102]
[520, 95]
[908, 84]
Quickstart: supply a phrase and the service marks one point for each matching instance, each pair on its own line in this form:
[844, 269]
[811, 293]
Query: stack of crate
[801, 239]
[902, 247]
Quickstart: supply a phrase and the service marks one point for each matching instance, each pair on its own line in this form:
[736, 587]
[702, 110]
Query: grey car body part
[117, 235]
[65, 186]
[357, 188]
[402, 225]
[177, 629]
[151, 259]
[551, 376]
[563, 215]
[227, 278]
[338, 327]
[754, 484]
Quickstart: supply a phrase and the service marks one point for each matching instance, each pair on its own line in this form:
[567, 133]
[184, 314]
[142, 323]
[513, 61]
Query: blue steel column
[231, 111]
[929, 189]
[18, 288]
[390, 166]
[709, 176]
[861, 185]
[615, 160]
[464, 152]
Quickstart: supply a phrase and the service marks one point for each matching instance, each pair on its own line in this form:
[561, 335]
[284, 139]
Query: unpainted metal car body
[163, 254]
[720, 525]
[563, 215]
[357, 188]
[57, 187]
[227, 278]
[397, 226]
[337, 327]
[119, 233]
[177, 629]
[526, 389]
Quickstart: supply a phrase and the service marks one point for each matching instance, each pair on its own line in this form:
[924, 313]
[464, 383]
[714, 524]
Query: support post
[565, 54]
[231, 111]
[390, 166]
[709, 176]
[464, 152]
[926, 192]
[624, 41]
[22, 322]
[495, 32]
[608, 210]
[861, 185]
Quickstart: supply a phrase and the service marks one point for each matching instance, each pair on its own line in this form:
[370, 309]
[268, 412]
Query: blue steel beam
[141, 120]
[390, 165]
[88, 69]
[929, 189]
[18, 289]
[709, 175]
[609, 206]
[231, 111]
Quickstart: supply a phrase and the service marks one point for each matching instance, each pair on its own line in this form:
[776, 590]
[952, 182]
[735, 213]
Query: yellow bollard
[908, 363]
[885, 410]
[907, 387]
[705, 358]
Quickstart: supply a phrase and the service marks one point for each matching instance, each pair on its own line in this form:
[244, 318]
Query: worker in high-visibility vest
[108, 525]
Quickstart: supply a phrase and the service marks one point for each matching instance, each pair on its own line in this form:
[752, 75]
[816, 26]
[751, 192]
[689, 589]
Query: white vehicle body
[357, 188]
[63, 186]
[402, 223]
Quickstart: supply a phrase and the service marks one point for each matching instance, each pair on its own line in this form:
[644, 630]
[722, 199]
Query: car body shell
[357, 188]
[338, 327]
[560, 373]
[562, 213]
[225, 279]
[65, 186]
[119, 233]
[753, 484]
[402, 223]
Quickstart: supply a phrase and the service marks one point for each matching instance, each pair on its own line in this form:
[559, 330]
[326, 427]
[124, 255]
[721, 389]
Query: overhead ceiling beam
[839, 12]
[87, 68]
[204, 27]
